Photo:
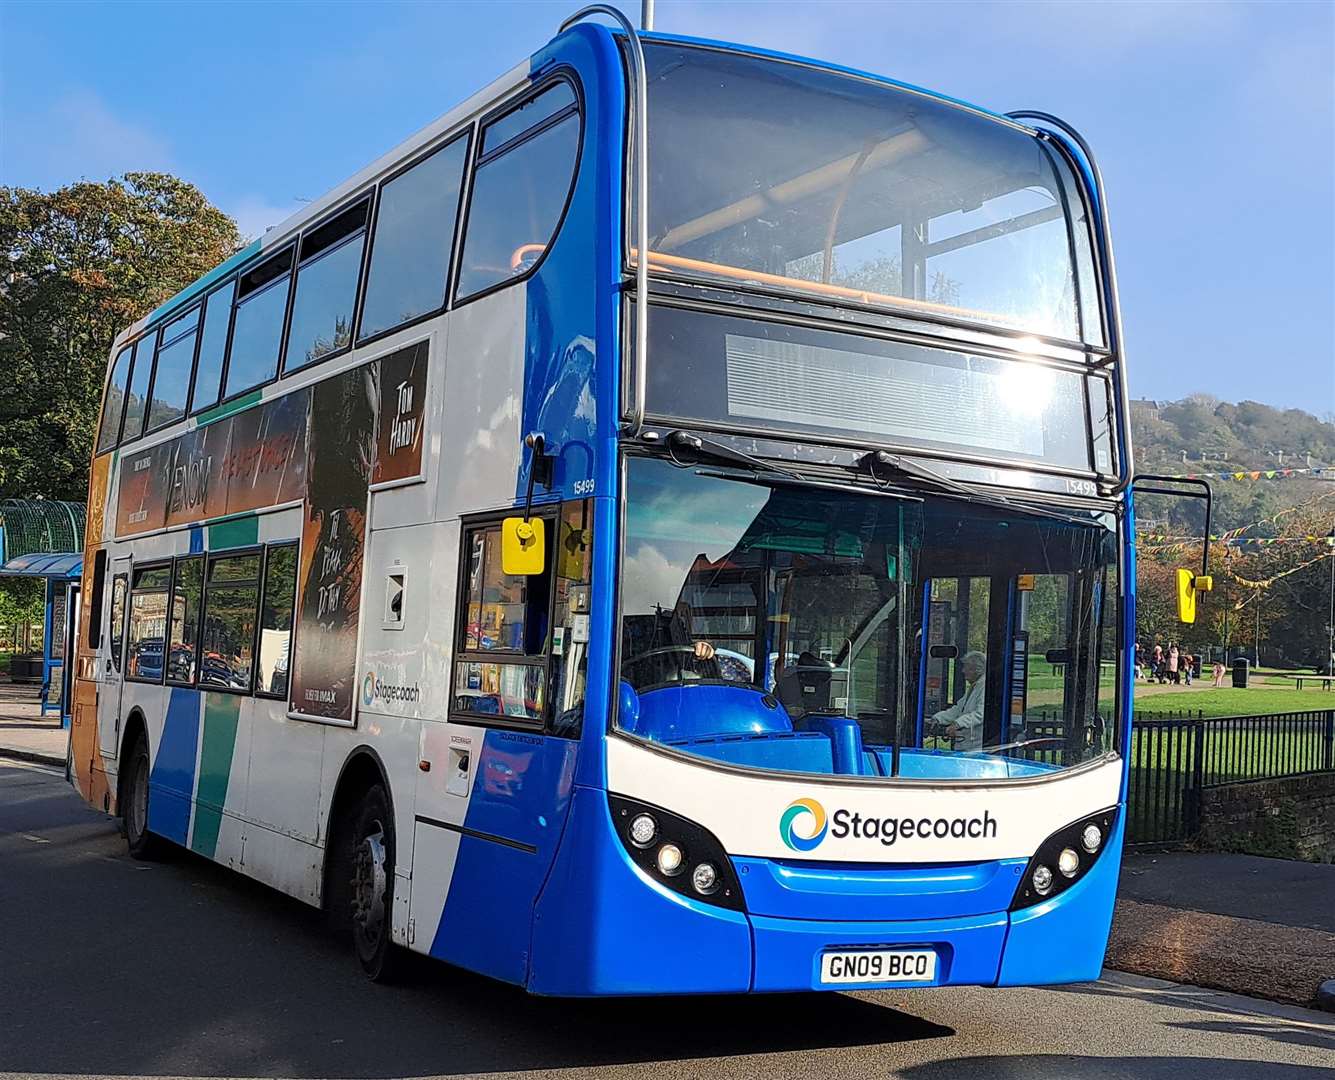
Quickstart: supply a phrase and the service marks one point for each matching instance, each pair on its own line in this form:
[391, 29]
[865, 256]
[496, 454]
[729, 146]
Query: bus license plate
[888, 966]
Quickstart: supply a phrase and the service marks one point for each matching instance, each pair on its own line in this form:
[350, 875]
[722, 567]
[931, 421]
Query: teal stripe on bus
[234, 532]
[201, 284]
[221, 713]
[227, 408]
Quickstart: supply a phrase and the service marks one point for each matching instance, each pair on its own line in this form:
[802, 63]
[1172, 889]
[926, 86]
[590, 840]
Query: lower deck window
[148, 623]
[228, 646]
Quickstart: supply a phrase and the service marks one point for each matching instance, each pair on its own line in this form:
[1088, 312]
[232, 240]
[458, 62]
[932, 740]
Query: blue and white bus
[664, 528]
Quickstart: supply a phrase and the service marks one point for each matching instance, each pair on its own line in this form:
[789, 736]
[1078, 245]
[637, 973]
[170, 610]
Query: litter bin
[1240, 673]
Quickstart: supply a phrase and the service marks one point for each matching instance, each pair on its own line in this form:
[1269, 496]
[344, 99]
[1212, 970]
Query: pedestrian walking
[1218, 673]
[1187, 661]
[1174, 676]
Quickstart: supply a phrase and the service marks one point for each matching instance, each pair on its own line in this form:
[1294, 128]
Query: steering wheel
[666, 650]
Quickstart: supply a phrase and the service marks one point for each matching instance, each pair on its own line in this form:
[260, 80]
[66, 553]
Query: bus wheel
[372, 893]
[134, 804]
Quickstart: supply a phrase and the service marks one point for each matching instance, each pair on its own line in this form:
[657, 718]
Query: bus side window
[136, 404]
[117, 628]
[413, 240]
[573, 556]
[95, 602]
[277, 601]
[503, 632]
[148, 623]
[212, 348]
[257, 325]
[227, 646]
[520, 189]
[114, 404]
[171, 378]
[183, 645]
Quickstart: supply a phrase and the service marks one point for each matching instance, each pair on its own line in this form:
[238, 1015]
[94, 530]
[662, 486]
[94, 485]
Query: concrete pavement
[24, 732]
[115, 967]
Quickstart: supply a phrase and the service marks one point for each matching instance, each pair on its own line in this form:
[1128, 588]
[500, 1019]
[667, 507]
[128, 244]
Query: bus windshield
[783, 176]
[815, 631]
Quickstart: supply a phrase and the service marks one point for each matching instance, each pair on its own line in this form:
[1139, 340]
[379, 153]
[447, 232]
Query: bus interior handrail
[633, 419]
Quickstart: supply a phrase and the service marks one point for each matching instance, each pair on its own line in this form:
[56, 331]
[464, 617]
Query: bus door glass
[1041, 678]
[956, 618]
[109, 720]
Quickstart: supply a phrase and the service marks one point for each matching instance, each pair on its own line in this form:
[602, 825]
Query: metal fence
[1173, 759]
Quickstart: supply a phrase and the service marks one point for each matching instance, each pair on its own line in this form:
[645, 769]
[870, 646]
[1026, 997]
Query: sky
[1213, 123]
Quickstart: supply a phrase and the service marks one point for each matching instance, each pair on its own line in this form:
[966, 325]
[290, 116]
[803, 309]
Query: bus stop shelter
[43, 538]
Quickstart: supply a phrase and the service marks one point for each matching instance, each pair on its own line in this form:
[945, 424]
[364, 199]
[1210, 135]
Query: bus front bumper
[603, 927]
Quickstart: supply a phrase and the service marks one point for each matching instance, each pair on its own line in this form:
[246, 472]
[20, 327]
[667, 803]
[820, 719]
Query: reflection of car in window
[147, 660]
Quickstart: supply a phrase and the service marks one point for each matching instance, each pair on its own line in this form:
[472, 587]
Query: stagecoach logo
[803, 825]
[374, 690]
[798, 811]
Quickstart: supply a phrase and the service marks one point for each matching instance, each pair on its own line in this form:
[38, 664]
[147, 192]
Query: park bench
[1325, 680]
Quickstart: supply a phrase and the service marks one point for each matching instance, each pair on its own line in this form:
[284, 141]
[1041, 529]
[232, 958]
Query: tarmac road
[110, 967]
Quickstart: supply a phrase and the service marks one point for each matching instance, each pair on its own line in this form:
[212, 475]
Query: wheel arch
[362, 769]
[136, 727]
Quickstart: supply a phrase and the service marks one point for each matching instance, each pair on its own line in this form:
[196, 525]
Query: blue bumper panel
[788, 951]
[1064, 940]
[843, 891]
[603, 927]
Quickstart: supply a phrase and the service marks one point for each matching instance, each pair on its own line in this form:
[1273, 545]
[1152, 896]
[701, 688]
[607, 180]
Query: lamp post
[1330, 623]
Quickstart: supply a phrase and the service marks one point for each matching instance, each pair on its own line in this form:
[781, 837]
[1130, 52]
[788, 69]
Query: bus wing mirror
[523, 546]
[1188, 586]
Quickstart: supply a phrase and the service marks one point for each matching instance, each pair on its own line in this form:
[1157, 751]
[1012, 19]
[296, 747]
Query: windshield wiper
[883, 459]
[701, 446]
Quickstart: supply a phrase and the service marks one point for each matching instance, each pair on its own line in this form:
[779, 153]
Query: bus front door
[111, 675]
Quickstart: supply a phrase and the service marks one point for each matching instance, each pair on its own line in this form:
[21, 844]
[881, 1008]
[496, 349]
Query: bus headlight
[665, 845]
[704, 878]
[669, 860]
[1063, 850]
[643, 829]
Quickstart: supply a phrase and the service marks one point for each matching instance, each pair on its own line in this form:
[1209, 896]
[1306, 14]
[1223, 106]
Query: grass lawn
[1260, 697]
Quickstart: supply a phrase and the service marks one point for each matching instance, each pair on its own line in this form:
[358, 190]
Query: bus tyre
[134, 804]
[371, 859]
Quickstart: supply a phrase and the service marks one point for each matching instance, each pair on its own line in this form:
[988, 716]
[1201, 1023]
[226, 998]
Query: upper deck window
[786, 177]
[212, 347]
[520, 188]
[114, 403]
[141, 374]
[257, 328]
[331, 261]
[171, 381]
[414, 241]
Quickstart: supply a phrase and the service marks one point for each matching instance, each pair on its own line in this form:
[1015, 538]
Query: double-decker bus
[664, 528]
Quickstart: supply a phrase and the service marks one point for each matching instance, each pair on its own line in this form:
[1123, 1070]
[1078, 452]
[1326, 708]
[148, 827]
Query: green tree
[83, 263]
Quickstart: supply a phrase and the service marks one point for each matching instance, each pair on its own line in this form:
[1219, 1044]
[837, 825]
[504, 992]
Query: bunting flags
[1229, 540]
[1318, 471]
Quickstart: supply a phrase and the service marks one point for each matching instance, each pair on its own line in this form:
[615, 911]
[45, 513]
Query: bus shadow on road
[1066, 1066]
[184, 968]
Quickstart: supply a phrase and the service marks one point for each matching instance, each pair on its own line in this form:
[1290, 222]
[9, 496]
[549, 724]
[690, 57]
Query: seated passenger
[962, 722]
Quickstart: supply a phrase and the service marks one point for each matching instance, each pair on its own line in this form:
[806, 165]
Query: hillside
[1201, 434]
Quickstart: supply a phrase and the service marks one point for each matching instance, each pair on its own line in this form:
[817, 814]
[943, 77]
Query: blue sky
[1214, 124]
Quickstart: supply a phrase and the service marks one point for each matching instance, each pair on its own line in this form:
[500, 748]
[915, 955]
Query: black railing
[1173, 760]
[1177, 753]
